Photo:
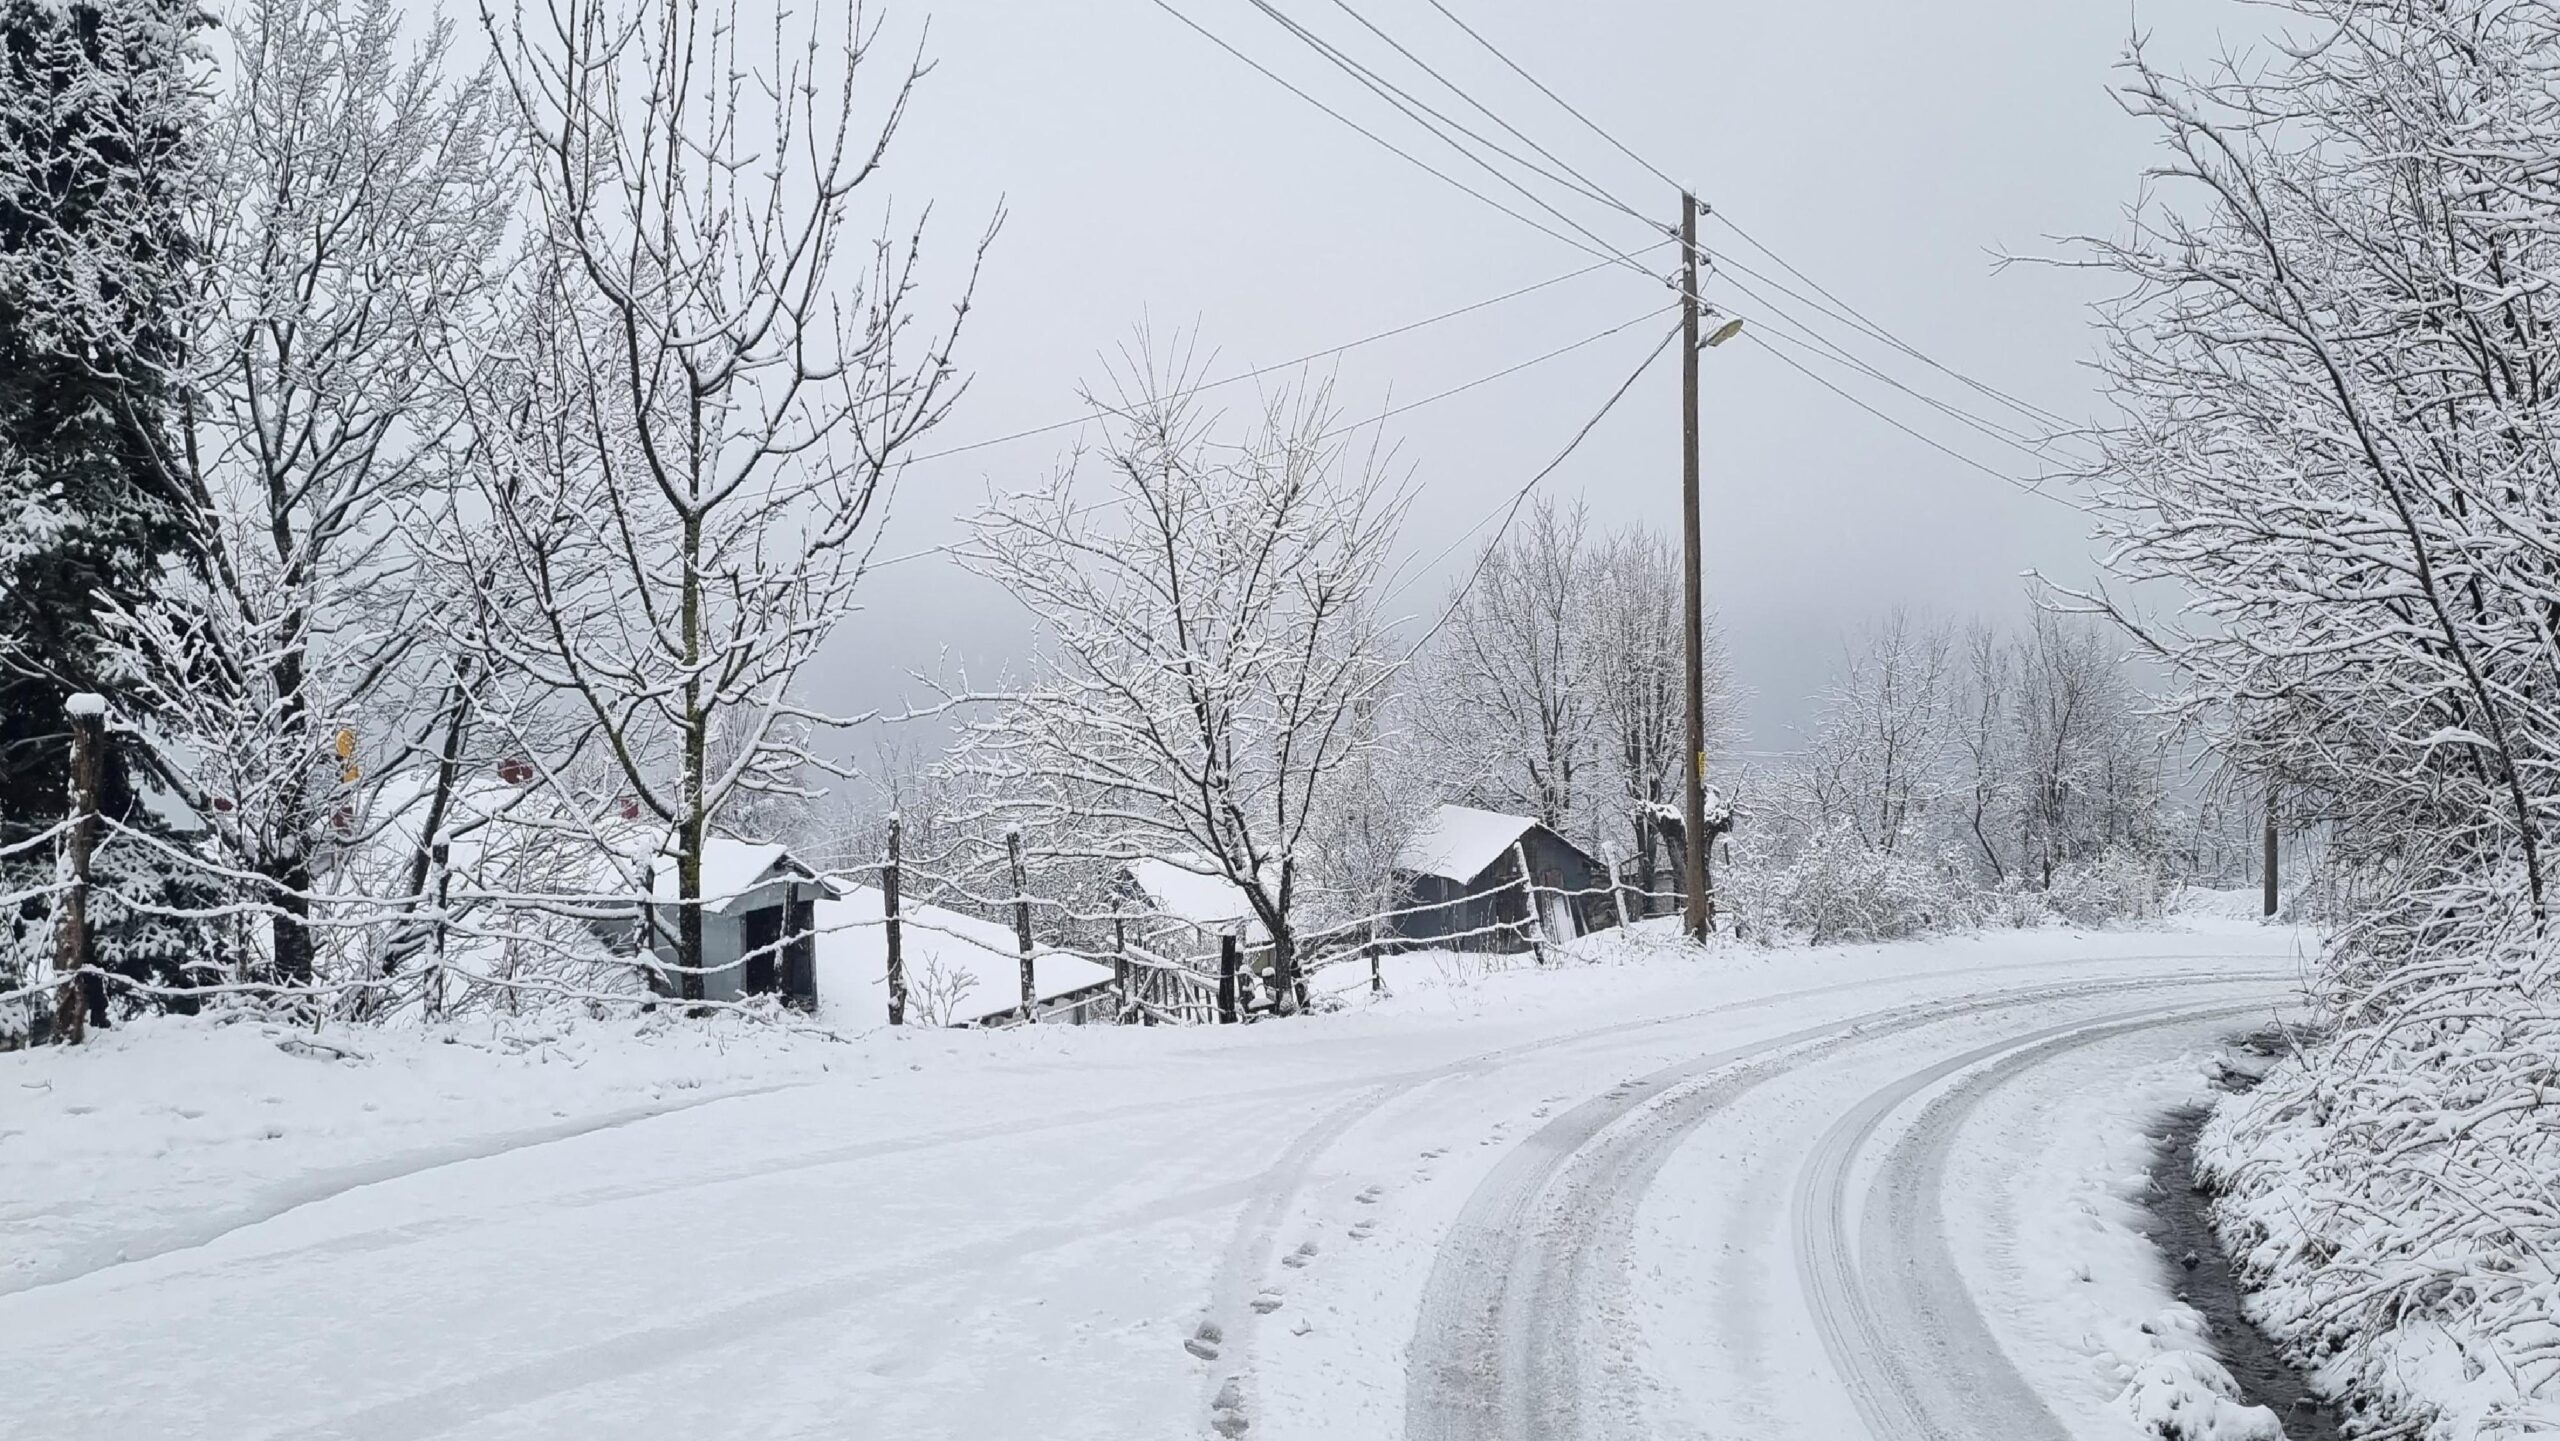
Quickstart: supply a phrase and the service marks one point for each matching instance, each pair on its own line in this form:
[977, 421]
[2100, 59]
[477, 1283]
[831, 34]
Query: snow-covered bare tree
[1518, 703]
[1211, 652]
[1984, 731]
[2086, 761]
[1876, 762]
[2335, 360]
[1630, 608]
[717, 374]
[2334, 369]
[352, 209]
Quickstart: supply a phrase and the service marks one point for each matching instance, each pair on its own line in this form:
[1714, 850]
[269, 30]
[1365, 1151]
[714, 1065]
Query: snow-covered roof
[1458, 842]
[977, 959]
[731, 870]
[1188, 890]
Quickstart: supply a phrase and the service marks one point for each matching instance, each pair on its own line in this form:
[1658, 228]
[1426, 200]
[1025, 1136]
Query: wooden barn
[1461, 880]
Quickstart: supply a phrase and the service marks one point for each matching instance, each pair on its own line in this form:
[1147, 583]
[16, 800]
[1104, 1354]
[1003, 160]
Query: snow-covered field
[1801, 1193]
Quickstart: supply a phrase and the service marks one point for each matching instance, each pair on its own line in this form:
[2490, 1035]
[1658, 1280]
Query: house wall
[723, 944]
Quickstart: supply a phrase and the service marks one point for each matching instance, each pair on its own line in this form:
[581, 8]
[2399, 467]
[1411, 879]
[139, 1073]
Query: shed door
[800, 953]
[1555, 910]
[763, 933]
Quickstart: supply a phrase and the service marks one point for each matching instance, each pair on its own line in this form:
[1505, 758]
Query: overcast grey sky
[1889, 149]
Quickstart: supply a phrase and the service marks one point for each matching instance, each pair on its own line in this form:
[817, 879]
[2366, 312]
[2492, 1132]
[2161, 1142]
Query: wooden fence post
[1120, 973]
[1617, 885]
[1022, 925]
[1529, 890]
[82, 993]
[1227, 959]
[889, 920]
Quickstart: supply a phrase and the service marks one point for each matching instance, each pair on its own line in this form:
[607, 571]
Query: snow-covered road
[1793, 1194]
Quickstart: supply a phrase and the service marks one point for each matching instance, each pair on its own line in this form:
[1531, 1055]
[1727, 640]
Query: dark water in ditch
[2201, 1275]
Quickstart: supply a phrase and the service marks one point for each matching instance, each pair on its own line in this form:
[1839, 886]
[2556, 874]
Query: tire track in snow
[1229, 1390]
[1513, 1318]
[1898, 1323]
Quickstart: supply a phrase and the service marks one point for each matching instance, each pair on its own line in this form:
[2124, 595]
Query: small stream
[2201, 1275]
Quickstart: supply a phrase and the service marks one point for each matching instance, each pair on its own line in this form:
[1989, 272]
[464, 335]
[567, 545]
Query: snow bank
[2092, 1276]
[2183, 1394]
[2390, 1196]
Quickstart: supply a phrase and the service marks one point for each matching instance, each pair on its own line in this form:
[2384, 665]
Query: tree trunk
[1022, 927]
[291, 926]
[689, 959]
[82, 994]
[889, 881]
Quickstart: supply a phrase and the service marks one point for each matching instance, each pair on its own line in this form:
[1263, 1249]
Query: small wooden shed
[1460, 876]
[759, 921]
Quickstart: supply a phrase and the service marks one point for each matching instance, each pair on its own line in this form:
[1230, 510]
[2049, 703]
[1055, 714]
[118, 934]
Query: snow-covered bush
[2118, 884]
[2390, 1195]
[1839, 890]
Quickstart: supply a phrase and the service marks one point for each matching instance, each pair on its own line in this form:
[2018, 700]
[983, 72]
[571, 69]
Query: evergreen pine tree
[97, 115]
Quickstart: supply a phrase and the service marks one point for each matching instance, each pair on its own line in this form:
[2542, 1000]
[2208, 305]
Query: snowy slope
[1061, 1232]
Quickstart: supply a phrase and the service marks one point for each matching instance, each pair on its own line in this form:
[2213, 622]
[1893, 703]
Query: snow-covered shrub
[2015, 905]
[1837, 889]
[2389, 1191]
[2116, 885]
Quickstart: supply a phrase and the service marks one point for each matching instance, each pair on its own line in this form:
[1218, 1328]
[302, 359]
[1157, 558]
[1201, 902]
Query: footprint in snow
[1306, 1252]
[1226, 1409]
[1204, 1342]
[1370, 1197]
[1266, 1303]
[1360, 1231]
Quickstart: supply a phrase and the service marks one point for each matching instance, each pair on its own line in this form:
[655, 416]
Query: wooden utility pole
[1227, 987]
[889, 918]
[1022, 926]
[1697, 908]
[81, 992]
[2267, 861]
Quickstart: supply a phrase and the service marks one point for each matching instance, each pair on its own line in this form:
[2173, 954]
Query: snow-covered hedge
[2392, 1196]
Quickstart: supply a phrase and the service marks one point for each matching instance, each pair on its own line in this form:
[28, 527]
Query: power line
[1308, 358]
[1847, 313]
[1591, 124]
[1394, 411]
[1407, 156]
[2032, 487]
[1379, 419]
[1511, 509]
[1813, 341]
[1859, 319]
[1588, 185]
[1415, 109]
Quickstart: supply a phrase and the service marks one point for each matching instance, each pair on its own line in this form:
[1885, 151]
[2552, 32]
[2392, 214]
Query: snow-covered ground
[1797, 1193]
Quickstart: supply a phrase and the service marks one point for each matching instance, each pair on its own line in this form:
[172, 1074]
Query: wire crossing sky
[1416, 199]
